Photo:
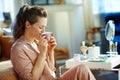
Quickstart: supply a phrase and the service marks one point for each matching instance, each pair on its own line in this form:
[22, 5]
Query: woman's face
[39, 27]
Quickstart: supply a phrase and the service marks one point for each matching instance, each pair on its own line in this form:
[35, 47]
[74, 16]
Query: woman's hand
[39, 65]
[42, 45]
[51, 44]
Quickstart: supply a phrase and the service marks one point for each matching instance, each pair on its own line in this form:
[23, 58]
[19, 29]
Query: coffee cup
[76, 57]
[47, 35]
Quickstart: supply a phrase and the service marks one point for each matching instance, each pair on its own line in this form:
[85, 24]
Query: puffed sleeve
[21, 63]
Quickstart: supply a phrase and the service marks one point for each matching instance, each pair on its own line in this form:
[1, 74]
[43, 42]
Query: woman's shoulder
[19, 43]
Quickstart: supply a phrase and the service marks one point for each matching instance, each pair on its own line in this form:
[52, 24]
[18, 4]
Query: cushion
[0, 51]
[6, 43]
[6, 71]
[8, 74]
[61, 53]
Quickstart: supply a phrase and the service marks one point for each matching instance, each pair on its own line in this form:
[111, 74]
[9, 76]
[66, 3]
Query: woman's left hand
[51, 44]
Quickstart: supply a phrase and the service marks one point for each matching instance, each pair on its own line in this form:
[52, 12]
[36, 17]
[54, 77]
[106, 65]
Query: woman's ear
[27, 24]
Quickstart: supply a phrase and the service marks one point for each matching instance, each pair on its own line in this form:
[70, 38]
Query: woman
[32, 55]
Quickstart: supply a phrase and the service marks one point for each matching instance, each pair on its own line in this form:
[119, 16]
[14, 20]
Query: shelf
[58, 8]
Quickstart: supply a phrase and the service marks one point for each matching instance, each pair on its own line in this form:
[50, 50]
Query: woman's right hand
[40, 61]
[42, 45]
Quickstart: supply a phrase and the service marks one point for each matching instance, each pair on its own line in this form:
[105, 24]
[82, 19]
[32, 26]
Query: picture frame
[40, 2]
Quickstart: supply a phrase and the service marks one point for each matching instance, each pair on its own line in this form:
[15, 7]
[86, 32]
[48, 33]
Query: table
[108, 64]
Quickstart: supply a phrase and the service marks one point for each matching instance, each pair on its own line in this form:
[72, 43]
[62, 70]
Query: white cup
[94, 52]
[47, 35]
[76, 57]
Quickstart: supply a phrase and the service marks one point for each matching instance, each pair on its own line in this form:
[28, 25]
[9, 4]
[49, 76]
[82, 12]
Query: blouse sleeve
[21, 63]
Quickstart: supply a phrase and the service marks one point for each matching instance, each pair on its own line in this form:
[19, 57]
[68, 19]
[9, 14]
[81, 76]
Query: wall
[68, 27]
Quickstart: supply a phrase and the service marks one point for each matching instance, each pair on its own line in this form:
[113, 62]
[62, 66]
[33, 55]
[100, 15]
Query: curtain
[5, 6]
[104, 6]
[1, 10]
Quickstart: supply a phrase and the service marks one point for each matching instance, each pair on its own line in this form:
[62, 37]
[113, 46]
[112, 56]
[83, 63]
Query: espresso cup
[76, 57]
[47, 35]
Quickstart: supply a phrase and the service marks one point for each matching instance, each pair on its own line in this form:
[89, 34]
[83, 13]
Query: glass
[109, 34]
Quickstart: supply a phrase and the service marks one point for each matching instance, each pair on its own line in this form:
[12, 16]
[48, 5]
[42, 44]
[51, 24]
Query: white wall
[68, 28]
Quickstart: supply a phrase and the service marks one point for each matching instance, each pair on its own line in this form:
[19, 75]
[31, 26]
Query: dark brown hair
[26, 13]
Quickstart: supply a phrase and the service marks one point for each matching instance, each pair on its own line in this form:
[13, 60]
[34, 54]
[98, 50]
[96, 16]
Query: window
[5, 6]
[103, 6]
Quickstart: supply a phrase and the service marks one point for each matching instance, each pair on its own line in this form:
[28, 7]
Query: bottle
[83, 48]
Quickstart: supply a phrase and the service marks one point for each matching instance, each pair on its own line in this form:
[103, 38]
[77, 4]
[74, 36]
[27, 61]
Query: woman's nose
[43, 30]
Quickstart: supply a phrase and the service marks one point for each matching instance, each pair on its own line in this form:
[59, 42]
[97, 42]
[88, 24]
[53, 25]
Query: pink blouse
[23, 57]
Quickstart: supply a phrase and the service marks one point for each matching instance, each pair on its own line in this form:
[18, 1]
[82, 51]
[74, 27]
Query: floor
[105, 75]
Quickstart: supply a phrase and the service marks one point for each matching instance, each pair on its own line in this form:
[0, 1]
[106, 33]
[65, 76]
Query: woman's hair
[26, 13]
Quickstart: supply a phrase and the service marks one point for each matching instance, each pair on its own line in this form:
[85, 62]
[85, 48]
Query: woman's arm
[21, 62]
[38, 67]
[40, 61]
[52, 44]
[51, 60]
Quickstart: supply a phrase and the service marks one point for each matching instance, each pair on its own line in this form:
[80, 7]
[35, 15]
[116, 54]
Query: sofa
[6, 69]
[5, 45]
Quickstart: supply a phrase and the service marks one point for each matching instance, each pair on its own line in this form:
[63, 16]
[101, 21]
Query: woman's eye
[40, 27]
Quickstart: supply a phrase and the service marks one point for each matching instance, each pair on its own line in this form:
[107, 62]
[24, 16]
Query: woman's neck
[28, 37]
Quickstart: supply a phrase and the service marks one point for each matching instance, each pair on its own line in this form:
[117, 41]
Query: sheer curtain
[5, 6]
[1, 10]
[103, 6]
[100, 7]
